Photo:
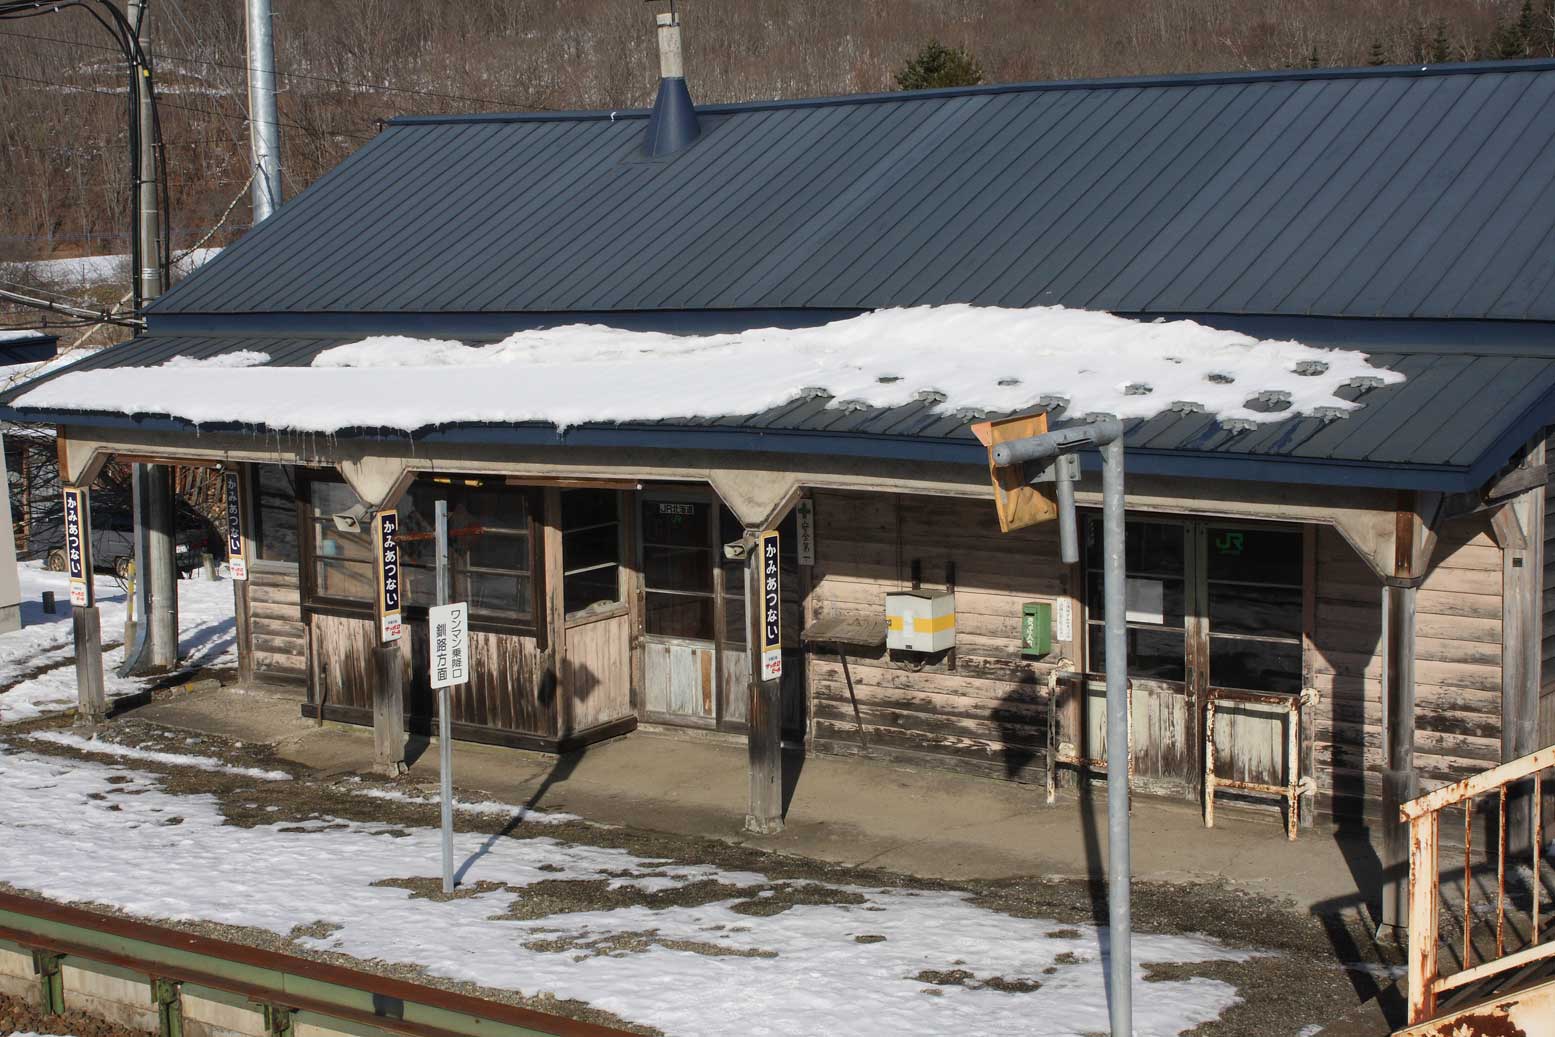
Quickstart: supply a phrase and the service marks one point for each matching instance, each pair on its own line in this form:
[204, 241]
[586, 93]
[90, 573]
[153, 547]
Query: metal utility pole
[264, 127]
[1106, 434]
[147, 221]
[445, 734]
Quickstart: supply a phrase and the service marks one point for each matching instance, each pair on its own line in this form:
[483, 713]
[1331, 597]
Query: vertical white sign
[771, 608]
[804, 525]
[386, 525]
[237, 564]
[76, 533]
[1063, 620]
[448, 638]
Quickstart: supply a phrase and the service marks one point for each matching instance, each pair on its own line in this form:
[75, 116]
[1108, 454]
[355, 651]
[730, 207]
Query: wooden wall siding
[1547, 654]
[278, 632]
[1457, 669]
[987, 714]
[680, 680]
[597, 674]
[510, 687]
[734, 686]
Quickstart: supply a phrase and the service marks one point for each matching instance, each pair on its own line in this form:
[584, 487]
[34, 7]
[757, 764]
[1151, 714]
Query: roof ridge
[1036, 86]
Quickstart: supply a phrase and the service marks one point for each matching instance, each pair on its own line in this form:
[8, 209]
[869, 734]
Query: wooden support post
[1398, 776]
[1424, 832]
[765, 735]
[86, 622]
[1519, 530]
[241, 605]
[556, 607]
[389, 673]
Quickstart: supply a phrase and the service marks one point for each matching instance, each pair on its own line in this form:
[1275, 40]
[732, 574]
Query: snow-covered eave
[1183, 464]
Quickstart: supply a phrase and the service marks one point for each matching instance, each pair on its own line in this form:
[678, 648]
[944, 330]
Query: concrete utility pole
[264, 128]
[147, 223]
[156, 573]
[1106, 434]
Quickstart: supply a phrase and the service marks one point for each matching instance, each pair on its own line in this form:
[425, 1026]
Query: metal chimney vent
[673, 126]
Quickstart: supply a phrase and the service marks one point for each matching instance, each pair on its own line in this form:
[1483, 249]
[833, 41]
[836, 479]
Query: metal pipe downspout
[264, 127]
[1119, 922]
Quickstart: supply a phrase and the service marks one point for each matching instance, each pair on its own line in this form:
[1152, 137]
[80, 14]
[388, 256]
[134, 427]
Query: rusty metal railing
[1296, 784]
[1423, 814]
[1070, 751]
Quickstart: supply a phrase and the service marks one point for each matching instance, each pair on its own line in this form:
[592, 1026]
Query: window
[275, 513]
[591, 549]
[678, 567]
[342, 558]
[490, 548]
[1154, 556]
[735, 629]
[1255, 608]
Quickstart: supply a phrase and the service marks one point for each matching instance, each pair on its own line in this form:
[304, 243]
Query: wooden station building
[1379, 577]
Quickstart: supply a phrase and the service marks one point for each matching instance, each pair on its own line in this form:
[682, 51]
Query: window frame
[598, 609]
[480, 622]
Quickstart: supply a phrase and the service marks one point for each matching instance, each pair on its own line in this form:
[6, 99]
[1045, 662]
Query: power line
[507, 105]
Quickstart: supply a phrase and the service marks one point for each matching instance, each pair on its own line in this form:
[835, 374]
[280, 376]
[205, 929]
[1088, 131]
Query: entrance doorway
[1210, 604]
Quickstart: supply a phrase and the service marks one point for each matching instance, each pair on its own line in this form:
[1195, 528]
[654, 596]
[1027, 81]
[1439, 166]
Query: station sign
[448, 640]
[76, 547]
[804, 527]
[386, 527]
[771, 608]
[237, 562]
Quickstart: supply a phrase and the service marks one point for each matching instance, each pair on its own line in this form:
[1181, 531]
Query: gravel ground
[1302, 980]
[17, 1017]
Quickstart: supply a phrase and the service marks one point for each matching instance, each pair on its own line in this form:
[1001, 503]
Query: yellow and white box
[920, 621]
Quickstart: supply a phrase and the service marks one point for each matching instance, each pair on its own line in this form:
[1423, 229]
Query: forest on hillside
[347, 64]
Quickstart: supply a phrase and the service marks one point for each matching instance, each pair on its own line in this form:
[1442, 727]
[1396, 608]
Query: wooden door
[597, 639]
[681, 607]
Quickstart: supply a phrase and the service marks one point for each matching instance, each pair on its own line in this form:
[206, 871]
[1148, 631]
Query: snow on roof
[961, 358]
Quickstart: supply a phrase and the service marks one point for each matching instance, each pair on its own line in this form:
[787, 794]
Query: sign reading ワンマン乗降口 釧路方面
[448, 638]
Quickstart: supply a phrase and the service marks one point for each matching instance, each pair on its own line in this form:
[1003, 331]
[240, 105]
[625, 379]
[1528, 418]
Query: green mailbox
[1036, 629]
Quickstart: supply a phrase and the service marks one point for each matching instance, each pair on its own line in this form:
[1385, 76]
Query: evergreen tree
[936, 65]
[1441, 47]
[1377, 55]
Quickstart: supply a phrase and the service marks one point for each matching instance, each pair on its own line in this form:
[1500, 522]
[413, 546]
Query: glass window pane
[675, 522]
[1154, 654]
[1236, 662]
[592, 545]
[591, 587]
[483, 550]
[588, 508]
[275, 513]
[678, 615]
[1266, 611]
[1255, 555]
[347, 580]
[1173, 599]
[734, 620]
[678, 568]
[504, 594]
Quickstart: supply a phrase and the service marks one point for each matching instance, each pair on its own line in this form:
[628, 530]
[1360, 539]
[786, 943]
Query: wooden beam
[765, 716]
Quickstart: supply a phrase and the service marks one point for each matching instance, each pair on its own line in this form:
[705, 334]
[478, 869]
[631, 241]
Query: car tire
[121, 568]
[54, 562]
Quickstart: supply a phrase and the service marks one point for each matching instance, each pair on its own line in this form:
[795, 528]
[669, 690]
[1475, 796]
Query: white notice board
[448, 640]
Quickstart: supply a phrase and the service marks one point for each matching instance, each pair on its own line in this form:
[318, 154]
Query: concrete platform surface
[917, 821]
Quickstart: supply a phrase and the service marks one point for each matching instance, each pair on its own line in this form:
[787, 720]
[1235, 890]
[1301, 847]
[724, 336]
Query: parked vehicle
[113, 541]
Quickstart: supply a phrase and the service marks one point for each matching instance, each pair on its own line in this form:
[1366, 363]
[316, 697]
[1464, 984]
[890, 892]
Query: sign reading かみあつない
[386, 526]
[448, 637]
[237, 562]
[76, 534]
[771, 608]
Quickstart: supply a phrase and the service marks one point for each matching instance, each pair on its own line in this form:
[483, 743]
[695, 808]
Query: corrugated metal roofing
[1365, 193]
[1444, 421]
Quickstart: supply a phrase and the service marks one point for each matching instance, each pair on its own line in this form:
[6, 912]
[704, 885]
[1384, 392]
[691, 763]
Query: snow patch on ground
[962, 358]
[97, 747]
[871, 967]
[487, 808]
[37, 662]
[93, 269]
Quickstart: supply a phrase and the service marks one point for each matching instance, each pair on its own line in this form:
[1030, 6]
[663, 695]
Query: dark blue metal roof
[1448, 426]
[1416, 192]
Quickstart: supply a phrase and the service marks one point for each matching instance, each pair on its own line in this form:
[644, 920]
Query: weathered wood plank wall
[1547, 652]
[275, 621]
[986, 715]
[1457, 669]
